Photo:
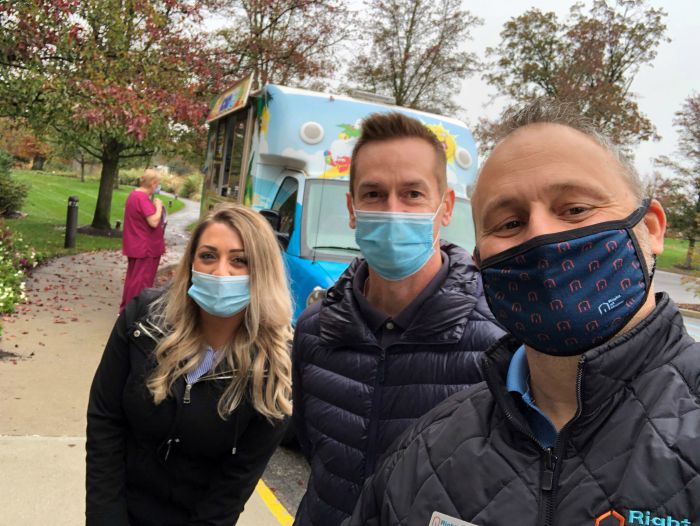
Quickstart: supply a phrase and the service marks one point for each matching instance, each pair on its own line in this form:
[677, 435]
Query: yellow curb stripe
[275, 506]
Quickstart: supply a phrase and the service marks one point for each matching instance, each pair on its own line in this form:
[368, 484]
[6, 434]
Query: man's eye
[576, 210]
[371, 195]
[414, 194]
[510, 225]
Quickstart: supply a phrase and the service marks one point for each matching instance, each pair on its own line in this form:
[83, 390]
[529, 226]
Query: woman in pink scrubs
[142, 239]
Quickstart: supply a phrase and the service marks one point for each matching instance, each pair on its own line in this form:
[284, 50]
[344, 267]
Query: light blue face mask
[221, 296]
[157, 190]
[396, 245]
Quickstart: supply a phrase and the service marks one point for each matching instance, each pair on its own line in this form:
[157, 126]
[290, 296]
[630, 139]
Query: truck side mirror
[273, 217]
[275, 220]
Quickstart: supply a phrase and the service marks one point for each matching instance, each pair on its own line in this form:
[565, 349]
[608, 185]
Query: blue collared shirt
[518, 383]
[204, 366]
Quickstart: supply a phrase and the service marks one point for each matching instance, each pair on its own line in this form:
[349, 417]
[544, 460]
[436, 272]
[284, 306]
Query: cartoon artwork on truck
[287, 152]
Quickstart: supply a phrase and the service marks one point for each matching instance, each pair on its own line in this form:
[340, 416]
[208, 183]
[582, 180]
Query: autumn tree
[681, 194]
[413, 52]
[289, 42]
[18, 139]
[116, 78]
[590, 60]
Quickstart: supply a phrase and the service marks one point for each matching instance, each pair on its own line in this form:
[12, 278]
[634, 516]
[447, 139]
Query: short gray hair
[547, 110]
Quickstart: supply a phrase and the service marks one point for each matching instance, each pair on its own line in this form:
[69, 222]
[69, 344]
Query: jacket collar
[442, 316]
[610, 367]
[603, 370]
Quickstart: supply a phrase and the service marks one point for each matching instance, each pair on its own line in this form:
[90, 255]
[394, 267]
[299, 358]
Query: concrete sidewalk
[50, 349]
[43, 482]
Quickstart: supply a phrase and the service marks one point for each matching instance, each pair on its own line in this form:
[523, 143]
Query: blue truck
[286, 152]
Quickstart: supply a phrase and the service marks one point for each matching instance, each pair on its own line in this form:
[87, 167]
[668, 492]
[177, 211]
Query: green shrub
[130, 176]
[59, 166]
[179, 166]
[170, 182]
[191, 186]
[12, 193]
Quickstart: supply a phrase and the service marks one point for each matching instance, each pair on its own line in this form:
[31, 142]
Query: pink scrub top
[139, 239]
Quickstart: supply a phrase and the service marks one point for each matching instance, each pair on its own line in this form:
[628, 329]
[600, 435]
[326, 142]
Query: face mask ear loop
[442, 202]
[436, 241]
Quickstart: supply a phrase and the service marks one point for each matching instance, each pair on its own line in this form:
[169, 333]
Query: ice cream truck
[286, 152]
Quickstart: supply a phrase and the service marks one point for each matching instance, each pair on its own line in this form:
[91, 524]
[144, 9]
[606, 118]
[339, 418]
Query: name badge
[440, 519]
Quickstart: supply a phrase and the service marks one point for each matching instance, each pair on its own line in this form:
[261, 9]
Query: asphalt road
[679, 287]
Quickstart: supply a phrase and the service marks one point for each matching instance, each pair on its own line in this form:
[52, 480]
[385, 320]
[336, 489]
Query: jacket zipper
[187, 397]
[374, 415]
[146, 331]
[550, 473]
[548, 482]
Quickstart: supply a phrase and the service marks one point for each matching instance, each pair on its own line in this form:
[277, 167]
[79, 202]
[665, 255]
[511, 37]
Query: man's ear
[655, 221]
[351, 210]
[449, 206]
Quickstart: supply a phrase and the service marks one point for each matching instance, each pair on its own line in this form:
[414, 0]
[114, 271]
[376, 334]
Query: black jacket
[633, 448]
[352, 398]
[169, 464]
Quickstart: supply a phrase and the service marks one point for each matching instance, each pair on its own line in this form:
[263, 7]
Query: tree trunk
[690, 254]
[38, 162]
[82, 168]
[110, 171]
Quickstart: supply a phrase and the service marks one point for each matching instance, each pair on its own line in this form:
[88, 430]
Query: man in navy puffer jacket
[402, 329]
[590, 414]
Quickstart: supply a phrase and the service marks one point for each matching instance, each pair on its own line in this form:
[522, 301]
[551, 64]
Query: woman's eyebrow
[214, 249]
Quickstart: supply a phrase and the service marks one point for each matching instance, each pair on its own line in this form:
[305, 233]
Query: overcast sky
[661, 89]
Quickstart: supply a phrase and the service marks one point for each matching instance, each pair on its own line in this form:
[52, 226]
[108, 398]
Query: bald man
[590, 413]
[142, 239]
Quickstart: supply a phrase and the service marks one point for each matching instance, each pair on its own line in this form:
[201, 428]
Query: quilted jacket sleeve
[309, 316]
[106, 435]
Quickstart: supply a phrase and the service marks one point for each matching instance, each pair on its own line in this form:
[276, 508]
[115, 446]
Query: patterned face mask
[568, 292]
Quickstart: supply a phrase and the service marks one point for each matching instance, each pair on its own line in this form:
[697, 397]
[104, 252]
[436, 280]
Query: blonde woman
[190, 398]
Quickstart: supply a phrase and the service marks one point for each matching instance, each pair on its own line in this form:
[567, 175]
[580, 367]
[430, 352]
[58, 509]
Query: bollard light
[71, 222]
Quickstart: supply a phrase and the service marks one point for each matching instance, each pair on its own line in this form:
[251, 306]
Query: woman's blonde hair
[257, 358]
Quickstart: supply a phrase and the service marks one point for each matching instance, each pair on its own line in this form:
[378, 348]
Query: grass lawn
[46, 205]
[674, 254]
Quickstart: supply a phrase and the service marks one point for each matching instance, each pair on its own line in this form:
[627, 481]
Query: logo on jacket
[643, 518]
[440, 519]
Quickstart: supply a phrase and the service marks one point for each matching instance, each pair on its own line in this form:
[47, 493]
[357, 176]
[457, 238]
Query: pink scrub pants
[140, 274]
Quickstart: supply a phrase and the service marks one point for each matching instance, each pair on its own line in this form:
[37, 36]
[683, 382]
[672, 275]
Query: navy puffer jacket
[352, 398]
[630, 457]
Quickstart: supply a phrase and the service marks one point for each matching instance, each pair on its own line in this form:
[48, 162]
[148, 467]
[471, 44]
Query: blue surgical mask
[221, 296]
[565, 293]
[396, 245]
[157, 190]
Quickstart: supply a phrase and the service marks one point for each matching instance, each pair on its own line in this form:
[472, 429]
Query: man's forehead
[561, 156]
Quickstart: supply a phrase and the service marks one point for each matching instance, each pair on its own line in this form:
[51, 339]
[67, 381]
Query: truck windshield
[326, 234]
